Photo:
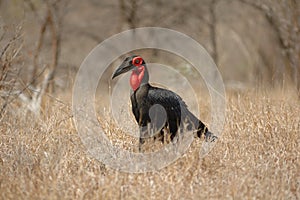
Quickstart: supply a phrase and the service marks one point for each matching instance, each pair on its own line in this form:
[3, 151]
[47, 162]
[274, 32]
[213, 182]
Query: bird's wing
[168, 99]
[174, 106]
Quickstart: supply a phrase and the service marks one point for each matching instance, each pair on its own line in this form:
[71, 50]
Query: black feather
[177, 112]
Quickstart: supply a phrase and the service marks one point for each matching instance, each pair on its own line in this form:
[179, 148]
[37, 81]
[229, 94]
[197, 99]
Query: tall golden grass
[257, 157]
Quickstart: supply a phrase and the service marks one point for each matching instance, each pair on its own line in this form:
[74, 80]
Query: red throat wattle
[137, 77]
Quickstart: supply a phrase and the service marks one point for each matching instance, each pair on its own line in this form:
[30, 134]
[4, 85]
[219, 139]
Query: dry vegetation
[256, 45]
[256, 157]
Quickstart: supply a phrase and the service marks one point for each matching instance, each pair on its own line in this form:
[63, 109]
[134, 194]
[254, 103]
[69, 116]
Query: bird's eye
[137, 61]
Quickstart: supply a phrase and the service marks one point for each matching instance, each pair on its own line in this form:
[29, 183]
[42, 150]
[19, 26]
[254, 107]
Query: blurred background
[255, 43]
[256, 46]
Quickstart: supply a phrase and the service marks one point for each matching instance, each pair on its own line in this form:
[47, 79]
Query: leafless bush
[31, 92]
[9, 66]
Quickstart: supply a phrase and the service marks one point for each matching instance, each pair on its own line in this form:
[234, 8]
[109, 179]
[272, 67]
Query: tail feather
[210, 137]
[195, 124]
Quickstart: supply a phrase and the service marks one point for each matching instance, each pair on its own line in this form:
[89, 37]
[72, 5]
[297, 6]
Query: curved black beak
[124, 67]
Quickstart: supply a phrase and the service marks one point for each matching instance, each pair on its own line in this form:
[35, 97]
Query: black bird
[144, 97]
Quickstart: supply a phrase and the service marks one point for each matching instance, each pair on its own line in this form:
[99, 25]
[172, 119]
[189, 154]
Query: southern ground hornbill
[144, 97]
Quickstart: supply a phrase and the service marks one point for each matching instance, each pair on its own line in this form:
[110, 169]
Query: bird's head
[130, 63]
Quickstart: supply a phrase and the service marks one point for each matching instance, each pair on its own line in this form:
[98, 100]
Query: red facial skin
[137, 74]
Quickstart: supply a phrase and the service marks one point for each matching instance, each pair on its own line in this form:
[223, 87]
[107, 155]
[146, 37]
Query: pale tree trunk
[213, 30]
[51, 22]
[128, 14]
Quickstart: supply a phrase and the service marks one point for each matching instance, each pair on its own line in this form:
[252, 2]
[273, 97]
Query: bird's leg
[160, 136]
[163, 133]
[143, 132]
[150, 131]
[141, 141]
[173, 127]
[173, 135]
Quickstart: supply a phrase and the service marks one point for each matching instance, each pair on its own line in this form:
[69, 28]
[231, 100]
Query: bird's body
[161, 108]
[146, 96]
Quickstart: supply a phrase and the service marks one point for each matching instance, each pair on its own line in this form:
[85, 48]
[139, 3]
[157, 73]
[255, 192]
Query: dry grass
[257, 157]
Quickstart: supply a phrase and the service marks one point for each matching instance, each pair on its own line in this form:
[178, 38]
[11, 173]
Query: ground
[256, 157]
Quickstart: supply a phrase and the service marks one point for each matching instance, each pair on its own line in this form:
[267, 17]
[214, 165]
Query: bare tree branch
[213, 31]
[289, 44]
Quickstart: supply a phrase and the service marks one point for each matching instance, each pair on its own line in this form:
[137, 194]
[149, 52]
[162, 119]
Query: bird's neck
[138, 77]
